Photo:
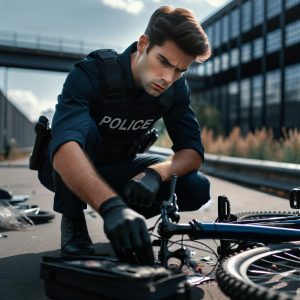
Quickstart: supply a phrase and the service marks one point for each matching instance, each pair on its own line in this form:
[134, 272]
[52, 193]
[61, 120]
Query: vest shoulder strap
[108, 59]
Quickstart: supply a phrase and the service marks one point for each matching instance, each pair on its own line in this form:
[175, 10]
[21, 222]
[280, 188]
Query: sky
[100, 23]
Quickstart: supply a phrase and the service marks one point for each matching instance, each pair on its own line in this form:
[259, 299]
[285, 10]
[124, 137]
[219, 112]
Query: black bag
[98, 278]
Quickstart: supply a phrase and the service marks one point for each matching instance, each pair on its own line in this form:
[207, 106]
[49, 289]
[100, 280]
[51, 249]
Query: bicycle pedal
[223, 209]
[295, 198]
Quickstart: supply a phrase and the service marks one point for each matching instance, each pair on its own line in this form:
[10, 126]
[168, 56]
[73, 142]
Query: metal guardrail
[48, 43]
[251, 172]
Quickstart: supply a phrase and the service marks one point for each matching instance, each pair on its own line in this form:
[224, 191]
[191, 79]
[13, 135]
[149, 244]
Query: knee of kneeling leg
[201, 190]
[195, 190]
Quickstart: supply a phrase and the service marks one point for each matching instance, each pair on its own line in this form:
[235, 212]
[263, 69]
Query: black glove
[142, 191]
[127, 232]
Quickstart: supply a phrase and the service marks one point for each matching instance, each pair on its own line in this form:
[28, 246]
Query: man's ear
[143, 43]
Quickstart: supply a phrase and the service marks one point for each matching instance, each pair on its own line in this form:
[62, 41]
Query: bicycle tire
[43, 216]
[235, 275]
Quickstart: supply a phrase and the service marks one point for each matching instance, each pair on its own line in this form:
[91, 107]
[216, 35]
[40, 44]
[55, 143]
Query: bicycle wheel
[265, 273]
[42, 216]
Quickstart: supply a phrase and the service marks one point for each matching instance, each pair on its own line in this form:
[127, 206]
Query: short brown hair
[180, 26]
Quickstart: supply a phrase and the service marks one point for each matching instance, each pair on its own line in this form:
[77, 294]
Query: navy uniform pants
[192, 190]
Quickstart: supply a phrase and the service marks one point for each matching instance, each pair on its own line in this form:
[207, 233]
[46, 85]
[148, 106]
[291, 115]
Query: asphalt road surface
[21, 251]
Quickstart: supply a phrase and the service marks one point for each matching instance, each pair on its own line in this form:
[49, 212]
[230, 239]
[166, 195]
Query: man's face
[158, 69]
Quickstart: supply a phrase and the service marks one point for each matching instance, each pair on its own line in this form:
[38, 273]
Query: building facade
[253, 75]
[15, 128]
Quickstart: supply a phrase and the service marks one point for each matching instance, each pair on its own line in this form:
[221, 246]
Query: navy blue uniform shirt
[83, 88]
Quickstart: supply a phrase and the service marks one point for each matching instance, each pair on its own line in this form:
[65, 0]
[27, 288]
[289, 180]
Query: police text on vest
[125, 124]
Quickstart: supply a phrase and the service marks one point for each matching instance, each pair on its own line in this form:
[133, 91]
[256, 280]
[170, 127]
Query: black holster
[43, 137]
[143, 143]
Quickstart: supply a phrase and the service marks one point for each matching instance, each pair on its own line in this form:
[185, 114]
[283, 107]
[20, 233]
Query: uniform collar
[125, 61]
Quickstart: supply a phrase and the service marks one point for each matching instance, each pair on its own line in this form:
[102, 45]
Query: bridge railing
[49, 43]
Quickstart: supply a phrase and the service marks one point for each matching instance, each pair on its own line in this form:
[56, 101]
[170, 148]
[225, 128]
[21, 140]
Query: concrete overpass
[42, 53]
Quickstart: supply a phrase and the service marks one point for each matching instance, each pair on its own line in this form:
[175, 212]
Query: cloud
[130, 6]
[29, 104]
[216, 3]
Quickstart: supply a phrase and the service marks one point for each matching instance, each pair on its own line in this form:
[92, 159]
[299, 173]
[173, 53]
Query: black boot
[75, 239]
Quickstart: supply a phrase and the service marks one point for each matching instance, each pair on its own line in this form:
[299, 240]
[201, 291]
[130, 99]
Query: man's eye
[164, 62]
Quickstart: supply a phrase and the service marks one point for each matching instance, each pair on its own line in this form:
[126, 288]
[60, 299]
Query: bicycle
[269, 234]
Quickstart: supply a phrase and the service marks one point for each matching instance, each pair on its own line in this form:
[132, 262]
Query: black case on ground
[98, 278]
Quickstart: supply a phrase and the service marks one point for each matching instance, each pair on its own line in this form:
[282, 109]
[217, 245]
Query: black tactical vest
[121, 120]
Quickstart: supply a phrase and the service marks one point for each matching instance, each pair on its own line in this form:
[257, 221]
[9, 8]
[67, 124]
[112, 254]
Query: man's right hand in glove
[127, 232]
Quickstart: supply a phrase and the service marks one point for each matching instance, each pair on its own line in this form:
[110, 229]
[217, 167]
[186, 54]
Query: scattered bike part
[38, 216]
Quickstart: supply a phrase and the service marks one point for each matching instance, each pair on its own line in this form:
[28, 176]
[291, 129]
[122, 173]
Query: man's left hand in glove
[142, 189]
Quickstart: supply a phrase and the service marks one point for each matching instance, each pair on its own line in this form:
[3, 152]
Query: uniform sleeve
[72, 118]
[181, 122]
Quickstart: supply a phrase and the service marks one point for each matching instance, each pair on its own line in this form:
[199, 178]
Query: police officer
[107, 104]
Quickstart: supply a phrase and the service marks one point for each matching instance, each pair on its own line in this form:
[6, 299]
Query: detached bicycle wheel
[42, 216]
[265, 273]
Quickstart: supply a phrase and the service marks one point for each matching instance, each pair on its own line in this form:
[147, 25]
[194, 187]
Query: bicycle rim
[267, 273]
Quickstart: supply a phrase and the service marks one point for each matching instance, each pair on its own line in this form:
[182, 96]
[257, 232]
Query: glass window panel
[258, 48]
[235, 23]
[217, 64]
[225, 61]
[246, 16]
[274, 41]
[258, 11]
[217, 37]
[245, 104]
[209, 68]
[273, 99]
[200, 70]
[273, 8]
[233, 102]
[257, 86]
[292, 96]
[291, 3]
[246, 53]
[225, 29]
[292, 33]
[209, 32]
[234, 57]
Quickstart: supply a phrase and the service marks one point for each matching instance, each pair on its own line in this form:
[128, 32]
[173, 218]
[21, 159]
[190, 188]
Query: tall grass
[259, 144]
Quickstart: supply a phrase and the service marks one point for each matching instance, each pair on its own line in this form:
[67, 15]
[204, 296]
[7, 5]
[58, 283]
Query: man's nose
[168, 76]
